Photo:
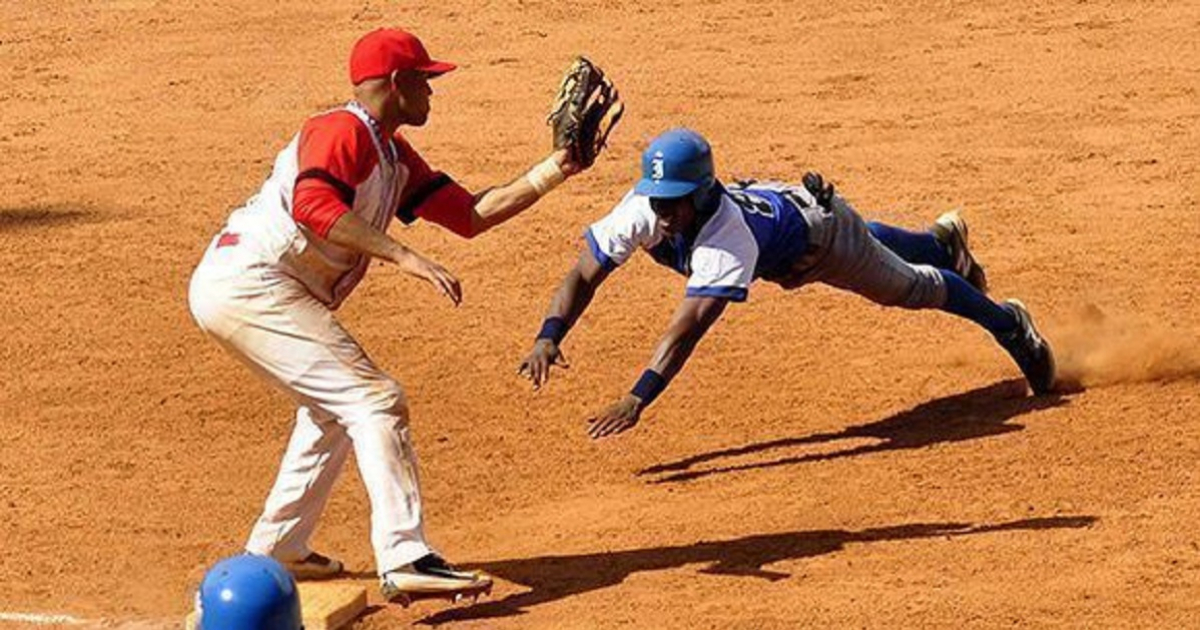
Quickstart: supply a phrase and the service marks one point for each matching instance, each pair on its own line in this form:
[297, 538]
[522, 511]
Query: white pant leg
[314, 457]
[273, 324]
[397, 534]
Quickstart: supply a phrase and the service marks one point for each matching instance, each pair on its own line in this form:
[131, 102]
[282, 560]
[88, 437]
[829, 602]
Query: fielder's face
[675, 215]
[412, 92]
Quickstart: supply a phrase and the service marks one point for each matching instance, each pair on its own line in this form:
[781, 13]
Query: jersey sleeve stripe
[604, 259]
[733, 294]
[345, 191]
[407, 212]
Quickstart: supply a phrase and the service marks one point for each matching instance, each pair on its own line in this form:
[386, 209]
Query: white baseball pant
[275, 326]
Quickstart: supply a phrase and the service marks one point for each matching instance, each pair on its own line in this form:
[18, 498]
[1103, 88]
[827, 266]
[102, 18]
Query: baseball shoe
[1029, 349]
[431, 577]
[950, 230]
[314, 566]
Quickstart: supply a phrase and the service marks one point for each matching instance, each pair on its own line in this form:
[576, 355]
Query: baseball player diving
[270, 281]
[722, 237]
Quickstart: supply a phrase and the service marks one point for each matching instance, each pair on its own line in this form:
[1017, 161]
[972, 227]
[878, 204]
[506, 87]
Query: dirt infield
[821, 461]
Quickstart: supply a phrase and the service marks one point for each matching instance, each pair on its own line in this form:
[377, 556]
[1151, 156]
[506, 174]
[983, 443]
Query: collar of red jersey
[389, 148]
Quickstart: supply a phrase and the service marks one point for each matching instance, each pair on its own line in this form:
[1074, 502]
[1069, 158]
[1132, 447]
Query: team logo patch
[228, 239]
[657, 169]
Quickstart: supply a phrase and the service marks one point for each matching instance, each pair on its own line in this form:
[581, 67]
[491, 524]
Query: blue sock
[964, 300]
[918, 248]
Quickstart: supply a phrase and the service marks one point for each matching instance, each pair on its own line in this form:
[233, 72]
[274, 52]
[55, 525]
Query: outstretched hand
[536, 366]
[616, 418]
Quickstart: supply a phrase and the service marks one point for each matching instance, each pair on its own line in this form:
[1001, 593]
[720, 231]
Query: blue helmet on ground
[248, 592]
[677, 163]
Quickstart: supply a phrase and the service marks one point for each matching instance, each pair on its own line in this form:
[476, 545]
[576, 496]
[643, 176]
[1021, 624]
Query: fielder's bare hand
[433, 273]
[616, 418]
[536, 366]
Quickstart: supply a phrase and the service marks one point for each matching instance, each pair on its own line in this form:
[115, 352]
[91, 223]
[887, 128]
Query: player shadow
[13, 219]
[552, 578]
[979, 413]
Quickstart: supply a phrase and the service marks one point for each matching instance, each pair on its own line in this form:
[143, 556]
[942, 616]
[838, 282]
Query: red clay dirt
[821, 462]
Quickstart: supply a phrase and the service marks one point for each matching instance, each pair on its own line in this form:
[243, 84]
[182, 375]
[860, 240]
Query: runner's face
[412, 96]
[675, 215]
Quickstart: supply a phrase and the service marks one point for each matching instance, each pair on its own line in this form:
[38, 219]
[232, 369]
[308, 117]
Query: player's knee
[204, 308]
[921, 289]
[927, 290]
[390, 404]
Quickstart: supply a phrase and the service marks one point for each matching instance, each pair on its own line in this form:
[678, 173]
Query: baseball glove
[585, 111]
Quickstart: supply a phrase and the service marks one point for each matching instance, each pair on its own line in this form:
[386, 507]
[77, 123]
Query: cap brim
[664, 188]
[437, 68]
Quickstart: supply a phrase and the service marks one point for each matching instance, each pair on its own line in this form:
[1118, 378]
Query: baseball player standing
[270, 280]
[724, 237]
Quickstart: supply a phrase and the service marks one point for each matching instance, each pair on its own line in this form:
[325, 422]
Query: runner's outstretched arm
[569, 302]
[691, 321]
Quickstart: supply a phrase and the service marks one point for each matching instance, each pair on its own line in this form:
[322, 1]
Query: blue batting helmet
[677, 163]
[248, 592]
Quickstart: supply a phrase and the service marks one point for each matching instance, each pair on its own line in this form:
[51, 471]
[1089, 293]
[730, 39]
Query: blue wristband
[649, 386]
[554, 329]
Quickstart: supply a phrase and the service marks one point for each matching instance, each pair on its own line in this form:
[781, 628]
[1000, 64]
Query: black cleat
[431, 577]
[1029, 350]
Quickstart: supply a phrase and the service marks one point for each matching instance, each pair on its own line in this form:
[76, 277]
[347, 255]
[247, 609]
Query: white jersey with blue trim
[756, 231]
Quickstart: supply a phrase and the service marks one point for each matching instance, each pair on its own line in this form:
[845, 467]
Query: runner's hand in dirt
[616, 418]
[536, 367]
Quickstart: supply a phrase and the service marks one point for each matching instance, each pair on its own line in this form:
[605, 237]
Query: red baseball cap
[380, 52]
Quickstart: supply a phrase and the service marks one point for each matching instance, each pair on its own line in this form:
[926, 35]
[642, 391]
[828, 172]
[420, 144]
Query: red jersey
[338, 163]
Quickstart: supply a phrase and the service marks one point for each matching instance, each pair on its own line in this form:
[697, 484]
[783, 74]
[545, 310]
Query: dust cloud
[1095, 348]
